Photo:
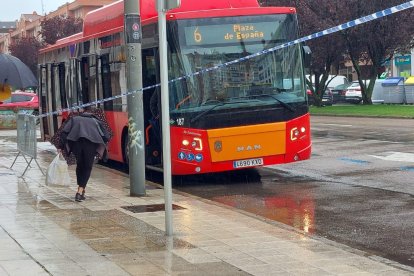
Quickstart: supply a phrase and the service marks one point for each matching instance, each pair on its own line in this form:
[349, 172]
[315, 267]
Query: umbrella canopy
[15, 73]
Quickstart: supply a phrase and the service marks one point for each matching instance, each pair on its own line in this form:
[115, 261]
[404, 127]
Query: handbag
[57, 173]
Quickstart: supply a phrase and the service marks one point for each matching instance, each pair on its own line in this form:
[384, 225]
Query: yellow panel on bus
[247, 141]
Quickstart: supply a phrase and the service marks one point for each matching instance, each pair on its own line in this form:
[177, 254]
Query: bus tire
[125, 147]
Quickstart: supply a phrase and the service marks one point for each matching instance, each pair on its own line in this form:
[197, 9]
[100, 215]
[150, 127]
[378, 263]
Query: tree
[375, 42]
[326, 51]
[371, 43]
[58, 27]
[26, 49]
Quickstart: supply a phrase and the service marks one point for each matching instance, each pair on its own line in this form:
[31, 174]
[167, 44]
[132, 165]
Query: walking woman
[85, 136]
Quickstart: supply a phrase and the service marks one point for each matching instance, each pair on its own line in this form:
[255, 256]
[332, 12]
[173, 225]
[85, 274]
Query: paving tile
[221, 268]
[357, 274]
[395, 272]
[204, 243]
[98, 236]
[13, 254]
[102, 268]
[245, 262]
[263, 252]
[366, 264]
[339, 268]
[195, 255]
[219, 249]
[50, 257]
[150, 269]
[2, 271]
[7, 244]
[22, 267]
[264, 270]
[108, 247]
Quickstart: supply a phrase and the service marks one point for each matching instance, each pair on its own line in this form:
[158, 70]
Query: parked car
[338, 92]
[332, 81]
[21, 100]
[353, 93]
[327, 98]
[331, 95]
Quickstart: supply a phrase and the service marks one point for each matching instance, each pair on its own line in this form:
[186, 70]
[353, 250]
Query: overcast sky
[10, 10]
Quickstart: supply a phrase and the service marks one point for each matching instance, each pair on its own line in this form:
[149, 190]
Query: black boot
[78, 197]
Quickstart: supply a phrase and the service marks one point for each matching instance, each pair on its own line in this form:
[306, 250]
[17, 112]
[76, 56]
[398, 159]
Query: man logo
[218, 146]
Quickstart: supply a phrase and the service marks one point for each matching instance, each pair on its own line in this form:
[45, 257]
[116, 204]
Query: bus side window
[62, 85]
[85, 79]
[149, 78]
[43, 99]
[106, 81]
[54, 94]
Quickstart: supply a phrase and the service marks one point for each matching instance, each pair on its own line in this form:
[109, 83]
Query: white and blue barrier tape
[347, 25]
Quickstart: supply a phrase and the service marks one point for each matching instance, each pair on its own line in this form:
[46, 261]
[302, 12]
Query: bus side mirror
[307, 55]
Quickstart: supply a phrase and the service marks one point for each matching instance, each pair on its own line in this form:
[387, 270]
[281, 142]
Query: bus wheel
[125, 149]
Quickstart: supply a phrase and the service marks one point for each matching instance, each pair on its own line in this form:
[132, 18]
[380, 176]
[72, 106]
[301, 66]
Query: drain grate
[149, 208]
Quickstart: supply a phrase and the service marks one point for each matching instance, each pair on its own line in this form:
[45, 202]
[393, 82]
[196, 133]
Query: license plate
[248, 163]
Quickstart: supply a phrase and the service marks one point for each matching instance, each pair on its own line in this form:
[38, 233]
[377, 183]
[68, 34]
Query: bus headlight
[197, 144]
[294, 133]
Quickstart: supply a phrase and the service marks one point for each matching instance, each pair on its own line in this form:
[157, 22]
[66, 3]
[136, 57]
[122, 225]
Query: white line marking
[396, 156]
[339, 125]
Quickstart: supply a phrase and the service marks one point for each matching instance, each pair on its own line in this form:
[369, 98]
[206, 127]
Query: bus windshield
[274, 78]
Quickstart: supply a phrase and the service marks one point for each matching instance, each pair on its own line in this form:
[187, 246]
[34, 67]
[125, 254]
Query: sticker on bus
[248, 163]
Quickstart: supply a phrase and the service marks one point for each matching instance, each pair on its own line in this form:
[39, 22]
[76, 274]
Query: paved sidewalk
[44, 232]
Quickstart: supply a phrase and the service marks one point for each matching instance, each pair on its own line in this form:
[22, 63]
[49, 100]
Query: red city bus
[247, 114]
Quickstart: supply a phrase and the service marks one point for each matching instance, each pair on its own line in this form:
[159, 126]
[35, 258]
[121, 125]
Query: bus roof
[110, 18]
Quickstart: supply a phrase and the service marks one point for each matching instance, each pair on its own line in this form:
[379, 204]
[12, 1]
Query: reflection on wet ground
[250, 192]
[369, 219]
[44, 230]
[296, 213]
[94, 237]
[50, 226]
[101, 228]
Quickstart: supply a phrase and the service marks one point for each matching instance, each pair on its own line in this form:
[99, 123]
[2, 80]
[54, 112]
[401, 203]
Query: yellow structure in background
[5, 91]
[409, 81]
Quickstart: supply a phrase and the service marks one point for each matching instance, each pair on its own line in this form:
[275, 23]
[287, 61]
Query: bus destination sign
[229, 33]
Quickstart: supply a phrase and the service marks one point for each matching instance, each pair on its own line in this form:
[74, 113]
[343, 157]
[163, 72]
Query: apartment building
[28, 25]
[6, 27]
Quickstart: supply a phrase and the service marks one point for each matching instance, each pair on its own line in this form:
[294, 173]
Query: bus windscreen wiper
[285, 105]
[213, 107]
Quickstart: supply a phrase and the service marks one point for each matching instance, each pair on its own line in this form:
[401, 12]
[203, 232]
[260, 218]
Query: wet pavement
[376, 221]
[44, 232]
[357, 188]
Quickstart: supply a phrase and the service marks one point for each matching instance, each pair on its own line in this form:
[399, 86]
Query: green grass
[381, 110]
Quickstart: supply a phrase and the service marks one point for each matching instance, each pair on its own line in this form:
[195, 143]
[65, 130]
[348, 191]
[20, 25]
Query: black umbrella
[15, 73]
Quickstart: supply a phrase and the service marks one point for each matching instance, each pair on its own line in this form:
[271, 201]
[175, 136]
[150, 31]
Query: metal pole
[132, 21]
[166, 149]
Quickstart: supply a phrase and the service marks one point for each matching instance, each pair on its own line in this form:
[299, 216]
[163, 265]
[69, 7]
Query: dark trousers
[84, 151]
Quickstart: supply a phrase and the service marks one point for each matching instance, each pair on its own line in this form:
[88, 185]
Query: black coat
[89, 127]
[64, 133]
